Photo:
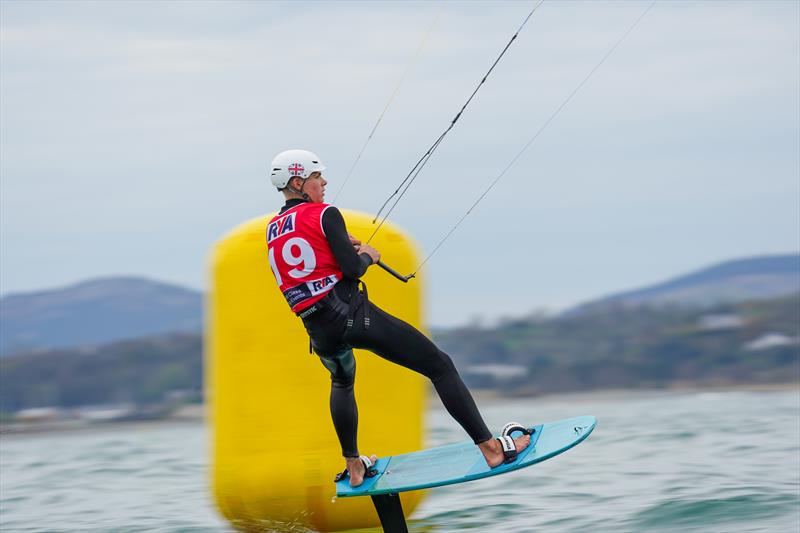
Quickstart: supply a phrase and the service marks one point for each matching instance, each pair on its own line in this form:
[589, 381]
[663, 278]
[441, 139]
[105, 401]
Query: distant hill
[96, 311]
[117, 308]
[729, 282]
[755, 342]
[141, 371]
[747, 342]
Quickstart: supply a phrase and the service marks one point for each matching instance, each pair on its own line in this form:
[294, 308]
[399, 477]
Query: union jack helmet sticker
[296, 169]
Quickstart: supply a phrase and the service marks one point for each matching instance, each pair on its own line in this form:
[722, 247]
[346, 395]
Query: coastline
[194, 414]
[491, 396]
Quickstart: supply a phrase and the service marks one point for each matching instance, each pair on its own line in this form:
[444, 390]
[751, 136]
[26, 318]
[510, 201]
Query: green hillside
[750, 342]
[642, 347]
[138, 372]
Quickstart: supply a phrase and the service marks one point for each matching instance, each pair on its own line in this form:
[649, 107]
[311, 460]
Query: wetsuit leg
[344, 411]
[325, 329]
[401, 343]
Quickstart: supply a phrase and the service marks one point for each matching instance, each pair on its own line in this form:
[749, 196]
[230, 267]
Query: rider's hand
[355, 242]
[370, 251]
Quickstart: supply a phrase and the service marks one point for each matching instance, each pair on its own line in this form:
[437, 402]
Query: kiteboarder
[318, 266]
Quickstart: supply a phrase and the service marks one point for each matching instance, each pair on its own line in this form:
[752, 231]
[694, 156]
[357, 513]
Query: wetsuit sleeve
[353, 265]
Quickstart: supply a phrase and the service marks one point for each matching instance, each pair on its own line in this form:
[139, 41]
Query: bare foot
[357, 470]
[492, 450]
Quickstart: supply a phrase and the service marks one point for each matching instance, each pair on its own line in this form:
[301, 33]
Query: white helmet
[291, 163]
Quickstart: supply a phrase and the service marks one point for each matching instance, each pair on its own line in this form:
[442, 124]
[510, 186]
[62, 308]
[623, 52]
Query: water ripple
[711, 463]
[713, 511]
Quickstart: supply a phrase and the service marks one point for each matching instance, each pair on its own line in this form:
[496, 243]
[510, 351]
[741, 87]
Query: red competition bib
[300, 256]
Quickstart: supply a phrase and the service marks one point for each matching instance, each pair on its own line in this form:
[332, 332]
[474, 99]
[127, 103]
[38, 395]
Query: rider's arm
[353, 264]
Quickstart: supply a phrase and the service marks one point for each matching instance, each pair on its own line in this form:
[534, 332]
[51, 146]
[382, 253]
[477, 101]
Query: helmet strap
[305, 196]
[299, 191]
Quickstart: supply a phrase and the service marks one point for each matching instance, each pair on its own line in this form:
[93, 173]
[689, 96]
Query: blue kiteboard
[457, 463]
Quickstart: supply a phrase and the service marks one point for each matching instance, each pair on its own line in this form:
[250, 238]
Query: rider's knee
[342, 367]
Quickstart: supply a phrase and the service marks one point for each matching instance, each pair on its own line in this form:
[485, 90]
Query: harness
[333, 302]
[357, 297]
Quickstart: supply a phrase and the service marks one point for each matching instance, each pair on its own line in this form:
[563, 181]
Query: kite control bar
[395, 273]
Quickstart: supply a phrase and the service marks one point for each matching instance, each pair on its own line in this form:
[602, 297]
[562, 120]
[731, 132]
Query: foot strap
[509, 449]
[511, 427]
[369, 469]
[507, 442]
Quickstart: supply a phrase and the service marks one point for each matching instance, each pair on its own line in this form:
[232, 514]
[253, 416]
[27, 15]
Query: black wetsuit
[383, 334]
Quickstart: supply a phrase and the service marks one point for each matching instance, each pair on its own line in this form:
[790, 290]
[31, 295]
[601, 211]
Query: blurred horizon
[578, 301]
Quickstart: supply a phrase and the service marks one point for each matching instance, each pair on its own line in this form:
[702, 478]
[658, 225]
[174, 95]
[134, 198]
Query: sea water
[666, 461]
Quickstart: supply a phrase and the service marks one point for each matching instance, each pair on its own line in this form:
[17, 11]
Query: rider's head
[298, 174]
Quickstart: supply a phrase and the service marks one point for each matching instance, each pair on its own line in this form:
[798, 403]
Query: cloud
[129, 126]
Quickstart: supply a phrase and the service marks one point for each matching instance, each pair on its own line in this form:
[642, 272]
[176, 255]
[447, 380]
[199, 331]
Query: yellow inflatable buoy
[274, 451]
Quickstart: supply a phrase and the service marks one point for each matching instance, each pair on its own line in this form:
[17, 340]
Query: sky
[134, 135]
